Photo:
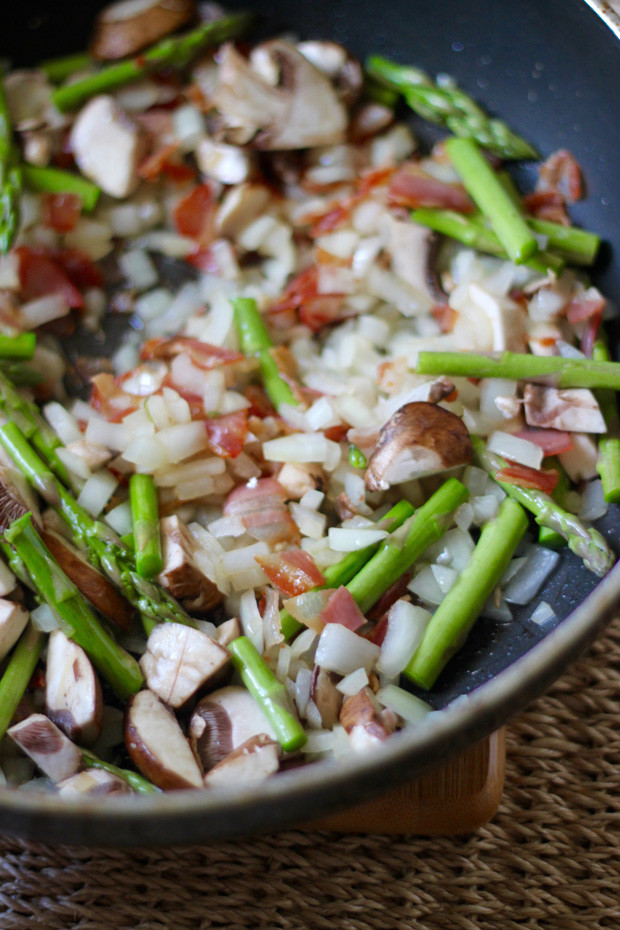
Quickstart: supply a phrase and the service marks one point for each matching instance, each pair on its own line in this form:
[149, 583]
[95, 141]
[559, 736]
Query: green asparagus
[14, 681]
[484, 186]
[460, 608]
[137, 782]
[172, 52]
[586, 542]
[552, 370]
[145, 517]
[21, 346]
[73, 612]
[102, 547]
[447, 105]
[57, 70]
[255, 342]
[10, 177]
[349, 565]
[609, 444]
[269, 693]
[57, 181]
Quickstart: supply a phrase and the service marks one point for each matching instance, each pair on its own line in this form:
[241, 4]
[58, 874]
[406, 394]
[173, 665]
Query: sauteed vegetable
[362, 397]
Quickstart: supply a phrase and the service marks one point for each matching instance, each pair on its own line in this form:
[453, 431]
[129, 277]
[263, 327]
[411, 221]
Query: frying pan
[551, 68]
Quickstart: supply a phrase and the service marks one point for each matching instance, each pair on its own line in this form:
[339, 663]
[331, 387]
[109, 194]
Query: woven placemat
[549, 860]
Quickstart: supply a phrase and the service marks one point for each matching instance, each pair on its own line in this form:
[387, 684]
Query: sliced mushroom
[108, 146]
[581, 461]
[179, 661]
[227, 631]
[414, 251]
[326, 696]
[297, 478]
[126, 27]
[239, 207]
[303, 111]
[95, 782]
[338, 65]
[13, 619]
[362, 721]
[224, 720]
[157, 745]
[228, 164]
[28, 95]
[72, 690]
[574, 410]
[96, 587]
[180, 575]
[249, 764]
[47, 746]
[369, 120]
[419, 439]
[16, 498]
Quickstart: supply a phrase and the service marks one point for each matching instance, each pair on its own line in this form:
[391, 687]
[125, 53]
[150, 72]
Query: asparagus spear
[548, 537]
[426, 526]
[25, 414]
[21, 374]
[585, 542]
[18, 673]
[56, 181]
[10, 177]
[255, 341]
[472, 232]
[73, 612]
[609, 444]
[448, 106]
[172, 52]
[350, 564]
[357, 459]
[138, 782]
[269, 693]
[145, 517]
[97, 540]
[460, 608]
[492, 198]
[59, 69]
[553, 370]
[576, 246]
[21, 346]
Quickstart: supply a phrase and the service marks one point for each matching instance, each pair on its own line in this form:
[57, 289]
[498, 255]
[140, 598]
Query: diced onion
[340, 650]
[593, 503]
[411, 708]
[350, 540]
[97, 491]
[251, 620]
[44, 619]
[531, 576]
[64, 423]
[515, 448]
[406, 624]
[543, 613]
[353, 683]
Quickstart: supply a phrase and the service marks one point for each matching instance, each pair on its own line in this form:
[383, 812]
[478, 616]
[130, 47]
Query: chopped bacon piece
[551, 441]
[61, 211]
[525, 477]
[203, 354]
[411, 186]
[110, 400]
[260, 405]
[152, 167]
[394, 593]
[445, 316]
[261, 507]
[590, 333]
[195, 401]
[547, 205]
[204, 260]
[339, 212]
[315, 310]
[80, 268]
[335, 217]
[583, 308]
[178, 172]
[342, 609]
[41, 275]
[561, 173]
[227, 434]
[194, 214]
[294, 571]
[378, 632]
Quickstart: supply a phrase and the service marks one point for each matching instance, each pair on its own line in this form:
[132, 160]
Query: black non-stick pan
[551, 68]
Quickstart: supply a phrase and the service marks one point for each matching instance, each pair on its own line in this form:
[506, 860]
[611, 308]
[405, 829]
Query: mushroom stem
[53, 587]
[269, 693]
[145, 519]
[18, 673]
[167, 53]
[348, 566]
[458, 611]
[425, 527]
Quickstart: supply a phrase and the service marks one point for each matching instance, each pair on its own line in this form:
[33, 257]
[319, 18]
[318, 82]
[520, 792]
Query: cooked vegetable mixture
[374, 403]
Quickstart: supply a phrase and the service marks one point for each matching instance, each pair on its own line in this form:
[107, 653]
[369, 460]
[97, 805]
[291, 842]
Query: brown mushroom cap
[419, 439]
[248, 764]
[128, 26]
[224, 720]
[72, 691]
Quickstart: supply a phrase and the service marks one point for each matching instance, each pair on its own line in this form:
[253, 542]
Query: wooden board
[457, 797]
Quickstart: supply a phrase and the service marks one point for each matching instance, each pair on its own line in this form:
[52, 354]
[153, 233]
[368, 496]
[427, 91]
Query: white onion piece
[44, 619]
[309, 522]
[64, 424]
[303, 683]
[319, 741]
[425, 586]
[490, 390]
[484, 508]
[75, 463]
[138, 269]
[340, 650]
[530, 578]
[37, 312]
[512, 447]
[7, 579]
[593, 503]
[353, 683]
[251, 620]
[350, 540]
[298, 447]
[115, 436]
[119, 518]
[464, 516]
[543, 613]
[445, 577]
[97, 491]
[303, 643]
[493, 610]
[406, 705]
[406, 624]
[475, 480]
[283, 663]
[312, 499]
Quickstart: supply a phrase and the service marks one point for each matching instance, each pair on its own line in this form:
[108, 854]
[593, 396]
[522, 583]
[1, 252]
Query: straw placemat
[550, 860]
